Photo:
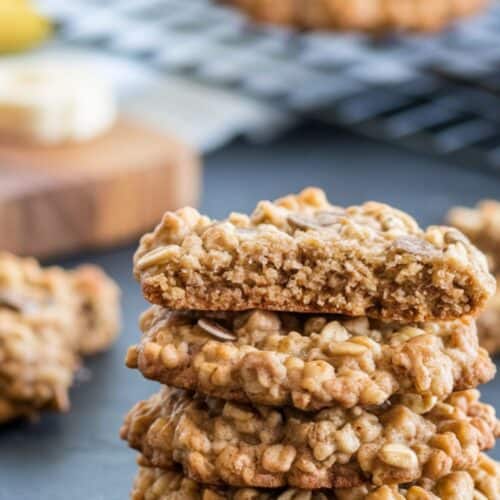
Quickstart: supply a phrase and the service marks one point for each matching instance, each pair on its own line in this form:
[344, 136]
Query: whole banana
[21, 27]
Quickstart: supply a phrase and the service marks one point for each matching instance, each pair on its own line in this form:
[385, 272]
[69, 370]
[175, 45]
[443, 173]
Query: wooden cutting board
[62, 199]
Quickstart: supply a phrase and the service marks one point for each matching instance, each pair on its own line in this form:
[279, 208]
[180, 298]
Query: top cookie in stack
[302, 254]
[311, 347]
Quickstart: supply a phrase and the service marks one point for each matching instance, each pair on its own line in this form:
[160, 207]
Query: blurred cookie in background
[98, 303]
[481, 225]
[488, 324]
[362, 15]
[48, 318]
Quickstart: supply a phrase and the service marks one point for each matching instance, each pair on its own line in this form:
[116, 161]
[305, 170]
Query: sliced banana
[52, 104]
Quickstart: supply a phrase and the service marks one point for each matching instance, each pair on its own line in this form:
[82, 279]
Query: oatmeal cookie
[83, 302]
[218, 442]
[363, 15]
[479, 482]
[12, 410]
[488, 324]
[302, 254]
[482, 226]
[98, 313]
[44, 326]
[310, 362]
[30, 290]
[37, 365]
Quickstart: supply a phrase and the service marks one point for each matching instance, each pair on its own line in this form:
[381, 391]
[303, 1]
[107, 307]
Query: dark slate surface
[79, 456]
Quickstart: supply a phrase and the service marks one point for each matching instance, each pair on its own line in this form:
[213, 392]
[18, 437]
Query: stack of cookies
[312, 352]
[49, 318]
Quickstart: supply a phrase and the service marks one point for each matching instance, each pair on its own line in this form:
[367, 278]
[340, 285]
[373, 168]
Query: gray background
[79, 456]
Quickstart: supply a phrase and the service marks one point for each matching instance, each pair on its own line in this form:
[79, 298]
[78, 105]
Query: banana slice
[49, 104]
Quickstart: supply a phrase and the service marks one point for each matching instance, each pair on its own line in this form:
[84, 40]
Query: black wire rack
[437, 93]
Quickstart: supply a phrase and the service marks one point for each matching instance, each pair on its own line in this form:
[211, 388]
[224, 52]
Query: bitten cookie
[302, 254]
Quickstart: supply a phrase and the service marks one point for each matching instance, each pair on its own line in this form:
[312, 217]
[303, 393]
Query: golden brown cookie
[44, 326]
[479, 482]
[98, 309]
[488, 324]
[363, 15]
[37, 366]
[482, 225]
[309, 361]
[218, 442]
[303, 254]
